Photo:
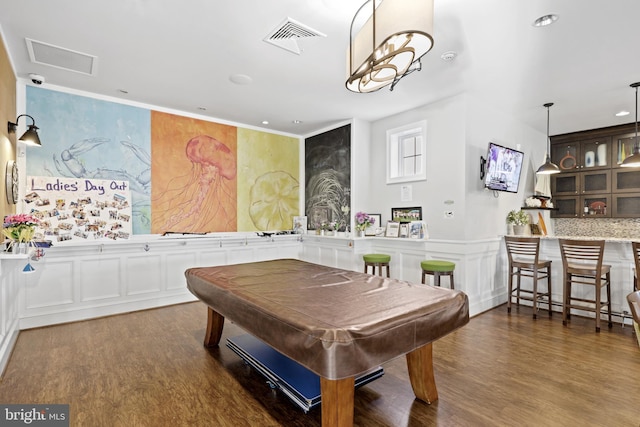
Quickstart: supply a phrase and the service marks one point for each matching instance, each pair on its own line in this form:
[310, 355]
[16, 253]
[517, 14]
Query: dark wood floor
[149, 368]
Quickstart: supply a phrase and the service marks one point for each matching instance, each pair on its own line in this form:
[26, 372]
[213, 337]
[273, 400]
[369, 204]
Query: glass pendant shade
[391, 37]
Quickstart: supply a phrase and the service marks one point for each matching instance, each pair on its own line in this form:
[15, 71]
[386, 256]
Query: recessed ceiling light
[240, 79]
[545, 20]
[265, 122]
[622, 113]
[296, 122]
[448, 56]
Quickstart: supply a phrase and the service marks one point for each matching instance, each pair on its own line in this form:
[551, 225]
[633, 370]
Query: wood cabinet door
[626, 205]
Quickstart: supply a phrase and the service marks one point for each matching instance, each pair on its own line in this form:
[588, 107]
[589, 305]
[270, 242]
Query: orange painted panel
[194, 175]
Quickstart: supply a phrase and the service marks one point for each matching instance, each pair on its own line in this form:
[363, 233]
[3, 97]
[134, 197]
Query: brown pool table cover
[337, 323]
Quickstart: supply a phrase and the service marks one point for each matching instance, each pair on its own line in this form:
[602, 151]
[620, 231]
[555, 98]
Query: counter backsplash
[628, 228]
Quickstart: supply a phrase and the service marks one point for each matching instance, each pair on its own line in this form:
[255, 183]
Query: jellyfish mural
[203, 200]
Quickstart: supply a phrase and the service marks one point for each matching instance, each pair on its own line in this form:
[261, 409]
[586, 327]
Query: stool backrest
[582, 252]
[522, 249]
[634, 305]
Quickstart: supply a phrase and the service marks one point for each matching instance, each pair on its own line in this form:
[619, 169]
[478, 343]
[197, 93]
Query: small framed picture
[393, 229]
[377, 222]
[418, 230]
[535, 230]
[299, 225]
[404, 229]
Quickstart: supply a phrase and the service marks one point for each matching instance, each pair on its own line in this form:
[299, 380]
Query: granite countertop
[606, 239]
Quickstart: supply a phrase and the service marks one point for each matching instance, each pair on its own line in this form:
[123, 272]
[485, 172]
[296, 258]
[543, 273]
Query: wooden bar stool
[376, 260]
[438, 268]
[523, 253]
[635, 246]
[634, 305]
[582, 265]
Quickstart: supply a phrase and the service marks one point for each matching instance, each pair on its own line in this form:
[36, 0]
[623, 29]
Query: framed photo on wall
[406, 214]
[393, 229]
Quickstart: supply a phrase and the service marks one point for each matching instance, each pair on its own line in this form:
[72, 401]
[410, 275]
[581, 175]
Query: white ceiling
[180, 54]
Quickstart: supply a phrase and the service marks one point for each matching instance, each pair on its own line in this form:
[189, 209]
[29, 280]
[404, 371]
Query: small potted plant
[519, 220]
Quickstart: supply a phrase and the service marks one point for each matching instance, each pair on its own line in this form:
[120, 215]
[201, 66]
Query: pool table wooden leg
[420, 365]
[336, 398]
[215, 323]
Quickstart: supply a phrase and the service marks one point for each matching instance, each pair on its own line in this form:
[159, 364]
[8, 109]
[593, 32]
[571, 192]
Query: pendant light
[633, 161]
[548, 168]
[389, 39]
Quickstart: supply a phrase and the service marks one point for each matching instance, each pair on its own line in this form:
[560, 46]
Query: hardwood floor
[150, 368]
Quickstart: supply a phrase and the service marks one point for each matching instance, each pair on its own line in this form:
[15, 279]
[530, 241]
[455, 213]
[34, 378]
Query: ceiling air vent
[286, 35]
[59, 57]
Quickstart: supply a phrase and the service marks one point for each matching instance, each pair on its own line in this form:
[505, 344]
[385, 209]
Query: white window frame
[395, 154]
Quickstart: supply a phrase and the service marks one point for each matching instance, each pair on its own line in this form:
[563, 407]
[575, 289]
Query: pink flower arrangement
[19, 227]
[363, 221]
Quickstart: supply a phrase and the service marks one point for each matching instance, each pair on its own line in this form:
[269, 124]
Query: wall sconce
[30, 137]
[393, 37]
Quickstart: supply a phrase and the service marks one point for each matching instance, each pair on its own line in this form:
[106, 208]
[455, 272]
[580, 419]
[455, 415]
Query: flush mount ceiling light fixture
[545, 20]
[30, 137]
[389, 41]
[548, 168]
[633, 161]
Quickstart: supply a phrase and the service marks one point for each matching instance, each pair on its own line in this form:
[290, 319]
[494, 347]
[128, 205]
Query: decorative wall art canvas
[184, 174]
[328, 178]
[268, 180]
[94, 139]
[194, 175]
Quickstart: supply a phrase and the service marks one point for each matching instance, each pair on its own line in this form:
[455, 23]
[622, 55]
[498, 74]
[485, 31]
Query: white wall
[484, 123]
[459, 130]
[445, 168]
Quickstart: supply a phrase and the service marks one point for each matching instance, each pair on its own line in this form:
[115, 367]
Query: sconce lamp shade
[548, 168]
[633, 161]
[30, 137]
[393, 36]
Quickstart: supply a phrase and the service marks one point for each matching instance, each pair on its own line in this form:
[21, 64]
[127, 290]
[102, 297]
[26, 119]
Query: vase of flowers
[363, 221]
[19, 229]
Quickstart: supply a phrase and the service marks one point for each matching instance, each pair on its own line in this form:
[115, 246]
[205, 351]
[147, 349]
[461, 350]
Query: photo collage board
[79, 209]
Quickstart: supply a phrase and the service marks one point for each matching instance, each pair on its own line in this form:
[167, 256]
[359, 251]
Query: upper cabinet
[591, 178]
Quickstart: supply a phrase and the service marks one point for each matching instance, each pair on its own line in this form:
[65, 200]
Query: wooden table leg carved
[337, 395]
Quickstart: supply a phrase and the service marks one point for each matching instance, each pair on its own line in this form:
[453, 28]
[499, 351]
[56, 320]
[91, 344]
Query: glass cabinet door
[565, 207]
[596, 206]
[595, 153]
[622, 147]
[566, 156]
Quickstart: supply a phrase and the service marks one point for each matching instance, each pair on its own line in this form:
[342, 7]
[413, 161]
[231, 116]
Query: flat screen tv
[503, 168]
